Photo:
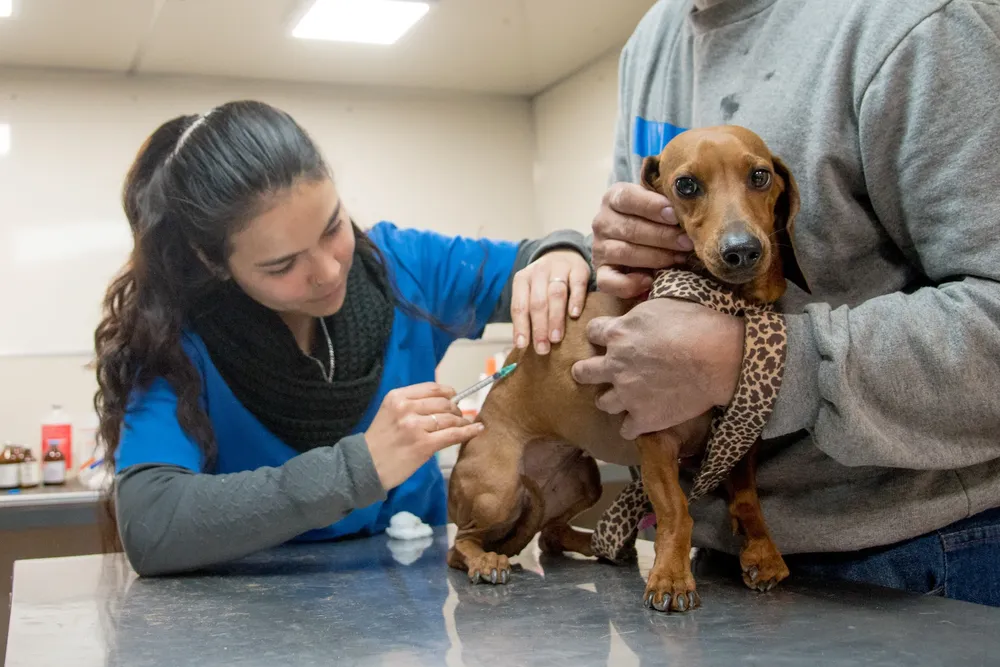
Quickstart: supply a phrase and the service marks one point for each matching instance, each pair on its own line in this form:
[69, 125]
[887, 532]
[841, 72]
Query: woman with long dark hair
[266, 368]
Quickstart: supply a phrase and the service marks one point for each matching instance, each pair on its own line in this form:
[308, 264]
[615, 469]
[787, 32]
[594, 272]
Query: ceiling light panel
[360, 21]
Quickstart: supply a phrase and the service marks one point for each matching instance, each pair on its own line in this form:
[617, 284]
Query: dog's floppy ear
[649, 174]
[785, 210]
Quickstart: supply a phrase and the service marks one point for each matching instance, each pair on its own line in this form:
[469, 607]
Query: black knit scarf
[259, 359]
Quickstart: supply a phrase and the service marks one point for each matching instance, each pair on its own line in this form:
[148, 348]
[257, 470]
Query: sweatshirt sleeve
[909, 379]
[172, 519]
[621, 170]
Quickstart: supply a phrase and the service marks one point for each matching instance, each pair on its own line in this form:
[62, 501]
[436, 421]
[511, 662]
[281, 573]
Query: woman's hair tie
[181, 140]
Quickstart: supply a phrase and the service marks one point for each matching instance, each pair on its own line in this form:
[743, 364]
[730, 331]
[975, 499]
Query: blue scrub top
[436, 273]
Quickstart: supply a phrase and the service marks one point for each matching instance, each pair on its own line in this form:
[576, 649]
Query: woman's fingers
[539, 307]
[542, 295]
[519, 315]
[578, 279]
[435, 406]
[435, 422]
[455, 435]
[558, 297]
[423, 390]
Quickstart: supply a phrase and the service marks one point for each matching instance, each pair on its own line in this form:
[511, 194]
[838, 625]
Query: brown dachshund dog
[533, 468]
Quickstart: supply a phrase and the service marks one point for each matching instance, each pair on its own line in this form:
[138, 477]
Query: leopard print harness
[734, 429]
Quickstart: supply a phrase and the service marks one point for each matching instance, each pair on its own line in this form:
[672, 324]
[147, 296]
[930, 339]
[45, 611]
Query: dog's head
[738, 204]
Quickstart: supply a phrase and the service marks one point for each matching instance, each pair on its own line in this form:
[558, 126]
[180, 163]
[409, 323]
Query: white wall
[574, 140]
[455, 164]
[501, 167]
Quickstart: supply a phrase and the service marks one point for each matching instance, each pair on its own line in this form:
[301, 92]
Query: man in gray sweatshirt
[882, 458]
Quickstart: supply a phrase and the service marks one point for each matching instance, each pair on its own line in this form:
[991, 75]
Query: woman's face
[295, 256]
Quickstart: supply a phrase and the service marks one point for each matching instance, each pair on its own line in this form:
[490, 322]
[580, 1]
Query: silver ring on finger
[437, 424]
[557, 280]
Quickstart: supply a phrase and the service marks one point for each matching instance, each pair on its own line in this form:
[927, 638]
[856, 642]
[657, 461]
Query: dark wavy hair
[196, 181]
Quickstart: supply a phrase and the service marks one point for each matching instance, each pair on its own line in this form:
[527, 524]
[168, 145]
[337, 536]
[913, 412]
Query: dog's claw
[489, 568]
[761, 585]
[670, 594]
[763, 567]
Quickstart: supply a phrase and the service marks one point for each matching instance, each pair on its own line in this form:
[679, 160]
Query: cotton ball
[406, 526]
[407, 552]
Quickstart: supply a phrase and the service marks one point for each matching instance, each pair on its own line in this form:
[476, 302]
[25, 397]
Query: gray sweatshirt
[171, 519]
[888, 113]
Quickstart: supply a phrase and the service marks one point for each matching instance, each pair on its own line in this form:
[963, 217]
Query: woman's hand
[541, 293]
[667, 361]
[636, 228]
[413, 423]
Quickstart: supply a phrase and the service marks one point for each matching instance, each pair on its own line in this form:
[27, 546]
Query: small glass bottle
[54, 464]
[31, 473]
[9, 470]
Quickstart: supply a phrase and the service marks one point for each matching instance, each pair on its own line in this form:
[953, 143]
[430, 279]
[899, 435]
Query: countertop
[75, 504]
[75, 493]
[375, 601]
[70, 493]
[48, 506]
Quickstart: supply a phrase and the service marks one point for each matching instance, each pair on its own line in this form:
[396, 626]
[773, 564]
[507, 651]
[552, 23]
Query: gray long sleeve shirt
[171, 519]
[888, 422]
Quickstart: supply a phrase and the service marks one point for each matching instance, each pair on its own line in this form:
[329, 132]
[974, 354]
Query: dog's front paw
[763, 566]
[666, 592]
[490, 568]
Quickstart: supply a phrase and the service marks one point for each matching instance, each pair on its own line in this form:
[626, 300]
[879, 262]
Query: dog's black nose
[740, 249]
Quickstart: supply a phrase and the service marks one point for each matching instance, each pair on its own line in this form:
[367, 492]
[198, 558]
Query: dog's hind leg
[528, 524]
[497, 509]
[763, 566]
[576, 489]
[493, 566]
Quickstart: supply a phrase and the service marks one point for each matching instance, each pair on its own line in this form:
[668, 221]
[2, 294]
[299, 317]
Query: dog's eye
[760, 178]
[686, 186]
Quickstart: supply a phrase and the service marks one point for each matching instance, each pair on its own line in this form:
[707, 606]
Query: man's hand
[667, 361]
[635, 229]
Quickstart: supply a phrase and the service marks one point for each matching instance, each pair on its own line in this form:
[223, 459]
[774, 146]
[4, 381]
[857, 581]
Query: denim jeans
[960, 561]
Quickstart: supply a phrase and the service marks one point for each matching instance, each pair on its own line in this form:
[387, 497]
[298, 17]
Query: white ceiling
[499, 46]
